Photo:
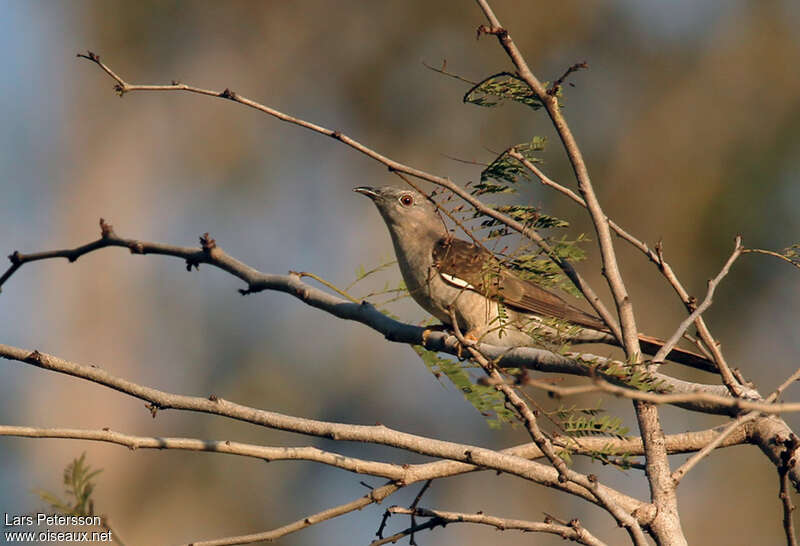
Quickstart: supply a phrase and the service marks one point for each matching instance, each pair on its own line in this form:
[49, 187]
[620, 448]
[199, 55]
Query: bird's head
[405, 210]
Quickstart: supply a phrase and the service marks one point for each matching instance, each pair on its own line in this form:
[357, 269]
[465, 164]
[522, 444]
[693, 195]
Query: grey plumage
[489, 301]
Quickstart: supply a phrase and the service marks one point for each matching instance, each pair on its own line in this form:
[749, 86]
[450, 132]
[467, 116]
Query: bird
[461, 281]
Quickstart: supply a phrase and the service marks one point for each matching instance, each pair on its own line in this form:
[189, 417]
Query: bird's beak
[370, 192]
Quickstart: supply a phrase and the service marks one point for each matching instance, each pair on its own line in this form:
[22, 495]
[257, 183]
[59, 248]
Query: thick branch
[306, 453]
[376, 434]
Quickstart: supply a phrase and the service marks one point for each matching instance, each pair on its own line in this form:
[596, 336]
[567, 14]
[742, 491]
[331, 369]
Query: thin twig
[449, 74]
[795, 262]
[374, 496]
[330, 285]
[727, 377]
[783, 386]
[573, 531]
[413, 508]
[679, 473]
[735, 404]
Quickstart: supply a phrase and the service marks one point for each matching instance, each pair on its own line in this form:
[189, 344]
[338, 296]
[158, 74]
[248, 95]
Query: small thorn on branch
[207, 243]
[152, 408]
[106, 229]
[496, 31]
[35, 357]
[227, 94]
[89, 55]
[250, 290]
[15, 258]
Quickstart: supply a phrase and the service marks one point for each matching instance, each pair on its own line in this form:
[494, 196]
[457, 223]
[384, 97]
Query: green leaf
[78, 488]
[587, 425]
[532, 217]
[486, 399]
[506, 170]
[503, 86]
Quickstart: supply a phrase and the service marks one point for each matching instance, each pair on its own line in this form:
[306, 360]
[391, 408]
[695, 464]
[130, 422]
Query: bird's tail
[650, 345]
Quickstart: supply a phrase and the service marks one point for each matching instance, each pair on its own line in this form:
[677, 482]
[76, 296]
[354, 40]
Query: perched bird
[449, 277]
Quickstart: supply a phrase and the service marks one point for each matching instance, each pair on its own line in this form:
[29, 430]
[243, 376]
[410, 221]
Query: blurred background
[688, 117]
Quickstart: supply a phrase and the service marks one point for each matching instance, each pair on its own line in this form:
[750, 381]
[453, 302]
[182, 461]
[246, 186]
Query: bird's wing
[472, 267]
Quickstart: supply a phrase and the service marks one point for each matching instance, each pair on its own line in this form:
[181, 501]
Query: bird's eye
[407, 200]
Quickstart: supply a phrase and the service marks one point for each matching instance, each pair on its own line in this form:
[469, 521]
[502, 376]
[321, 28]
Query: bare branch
[679, 399]
[711, 446]
[574, 531]
[725, 372]
[783, 386]
[377, 434]
[795, 262]
[788, 508]
[306, 453]
[374, 496]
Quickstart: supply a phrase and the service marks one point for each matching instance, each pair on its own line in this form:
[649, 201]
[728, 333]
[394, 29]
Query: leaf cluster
[497, 88]
[541, 269]
[792, 253]
[506, 170]
[579, 424]
[485, 398]
[633, 376]
[78, 489]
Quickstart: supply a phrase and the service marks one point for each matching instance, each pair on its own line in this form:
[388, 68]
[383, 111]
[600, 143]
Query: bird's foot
[470, 339]
[426, 333]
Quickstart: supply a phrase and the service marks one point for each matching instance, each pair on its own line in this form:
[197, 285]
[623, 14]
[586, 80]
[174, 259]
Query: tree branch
[306, 453]
[376, 434]
[374, 496]
[574, 531]
[565, 473]
[725, 372]
[667, 529]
